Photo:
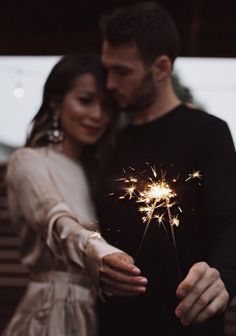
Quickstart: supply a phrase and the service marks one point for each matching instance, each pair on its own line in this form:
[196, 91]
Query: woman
[51, 205]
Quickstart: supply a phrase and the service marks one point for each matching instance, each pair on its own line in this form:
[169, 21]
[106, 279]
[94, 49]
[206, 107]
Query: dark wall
[48, 27]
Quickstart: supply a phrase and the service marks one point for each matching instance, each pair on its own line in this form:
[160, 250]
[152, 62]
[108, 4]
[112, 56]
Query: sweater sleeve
[220, 203]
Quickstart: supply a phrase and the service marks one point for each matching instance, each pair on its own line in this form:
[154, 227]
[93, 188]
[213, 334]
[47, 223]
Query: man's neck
[164, 103]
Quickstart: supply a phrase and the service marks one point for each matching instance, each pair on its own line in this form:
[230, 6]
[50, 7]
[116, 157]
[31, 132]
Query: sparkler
[155, 194]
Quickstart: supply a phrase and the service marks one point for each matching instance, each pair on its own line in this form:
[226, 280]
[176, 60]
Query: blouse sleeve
[29, 181]
[28, 178]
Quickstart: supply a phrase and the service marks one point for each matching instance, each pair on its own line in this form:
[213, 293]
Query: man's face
[129, 80]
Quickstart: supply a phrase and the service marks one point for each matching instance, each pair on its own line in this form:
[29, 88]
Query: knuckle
[129, 259]
[196, 290]
[114, 263]
[202, 301]
[202, 265]
[214, 274]
[210, 310]
[106, 258]
[226, 295]
[199, 270]
[185, 307]
[219, 286]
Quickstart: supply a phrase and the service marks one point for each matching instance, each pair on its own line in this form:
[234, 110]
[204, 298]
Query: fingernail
[143, 281]
[136, 270]
[178, 312]
[141, 289]
[182, 292]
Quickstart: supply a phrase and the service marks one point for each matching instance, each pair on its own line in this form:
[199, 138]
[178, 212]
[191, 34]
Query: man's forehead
[120, 54]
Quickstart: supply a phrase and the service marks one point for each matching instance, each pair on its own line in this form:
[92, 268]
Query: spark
[195, 174]
[175, 221]
[130, 191]
[154, 171]
[160, 219]
[180, 210]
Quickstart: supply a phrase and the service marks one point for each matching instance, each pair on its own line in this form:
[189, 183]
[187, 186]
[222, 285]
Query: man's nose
[111, 82]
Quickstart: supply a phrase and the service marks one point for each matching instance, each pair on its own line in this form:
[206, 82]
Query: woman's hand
[119, 276]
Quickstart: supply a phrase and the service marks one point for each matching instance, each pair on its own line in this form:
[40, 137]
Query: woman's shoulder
[25, 160]
[26, 154]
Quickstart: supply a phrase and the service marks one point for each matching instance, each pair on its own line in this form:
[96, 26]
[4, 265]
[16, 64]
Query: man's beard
[144, 96]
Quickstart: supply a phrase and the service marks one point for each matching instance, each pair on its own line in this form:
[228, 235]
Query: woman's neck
[72, 149]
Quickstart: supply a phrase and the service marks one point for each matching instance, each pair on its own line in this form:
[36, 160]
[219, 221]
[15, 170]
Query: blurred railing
[13, 276]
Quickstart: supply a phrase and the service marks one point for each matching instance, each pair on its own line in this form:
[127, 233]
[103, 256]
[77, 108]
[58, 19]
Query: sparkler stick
[172, 223]
[160, 194]
[145, 231]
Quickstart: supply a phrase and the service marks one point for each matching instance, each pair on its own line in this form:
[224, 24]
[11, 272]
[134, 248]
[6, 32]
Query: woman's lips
[92, 129]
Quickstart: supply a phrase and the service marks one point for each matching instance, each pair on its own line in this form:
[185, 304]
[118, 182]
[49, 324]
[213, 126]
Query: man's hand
[202, 295]
[119, 276]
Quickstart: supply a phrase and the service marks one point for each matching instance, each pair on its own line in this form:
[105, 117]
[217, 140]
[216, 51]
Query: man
[139, 48]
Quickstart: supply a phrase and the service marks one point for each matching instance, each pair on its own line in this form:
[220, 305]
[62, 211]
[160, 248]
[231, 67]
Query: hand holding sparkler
[119, 276]
[202, 295]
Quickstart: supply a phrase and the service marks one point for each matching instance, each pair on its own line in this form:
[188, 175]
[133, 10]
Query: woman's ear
[162, 67]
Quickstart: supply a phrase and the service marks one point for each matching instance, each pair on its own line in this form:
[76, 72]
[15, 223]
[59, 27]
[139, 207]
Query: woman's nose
[97, 112]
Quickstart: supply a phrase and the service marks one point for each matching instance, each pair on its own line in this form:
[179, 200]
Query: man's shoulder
[200, 117]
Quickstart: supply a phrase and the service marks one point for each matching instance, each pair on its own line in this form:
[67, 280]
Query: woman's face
[82, 117]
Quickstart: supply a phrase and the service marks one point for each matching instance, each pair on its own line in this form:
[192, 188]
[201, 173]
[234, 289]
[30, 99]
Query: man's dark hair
[147, 25]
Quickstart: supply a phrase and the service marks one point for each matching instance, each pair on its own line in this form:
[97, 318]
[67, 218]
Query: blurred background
[34, 34]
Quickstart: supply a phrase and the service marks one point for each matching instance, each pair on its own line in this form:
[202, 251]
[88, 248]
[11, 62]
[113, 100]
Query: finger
[115, 288]
[120, 264]
[218, 305]
[210, 277]
[203, 301]
[196, 272]
[115, 275]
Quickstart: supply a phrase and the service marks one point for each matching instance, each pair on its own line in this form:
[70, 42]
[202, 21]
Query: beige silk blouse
[44, 185]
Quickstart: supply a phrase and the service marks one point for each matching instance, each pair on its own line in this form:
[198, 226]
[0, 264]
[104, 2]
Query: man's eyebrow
[119, 66]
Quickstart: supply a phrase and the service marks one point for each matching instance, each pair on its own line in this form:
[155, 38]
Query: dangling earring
[55, 134]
